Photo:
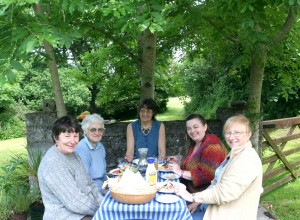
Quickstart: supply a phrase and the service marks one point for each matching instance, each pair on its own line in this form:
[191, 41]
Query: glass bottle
[151, 173]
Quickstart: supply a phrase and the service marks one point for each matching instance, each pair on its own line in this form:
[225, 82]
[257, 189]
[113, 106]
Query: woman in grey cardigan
[67, 191]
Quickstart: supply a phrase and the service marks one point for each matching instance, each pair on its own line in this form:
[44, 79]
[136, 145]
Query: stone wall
[39, 125]
[39, 129]
[114, 138]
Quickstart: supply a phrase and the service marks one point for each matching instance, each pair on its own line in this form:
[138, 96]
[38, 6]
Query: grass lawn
[175, 111]
[284, 202]
[10, 147]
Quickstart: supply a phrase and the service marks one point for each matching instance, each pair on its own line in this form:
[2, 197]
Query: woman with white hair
[91, 150]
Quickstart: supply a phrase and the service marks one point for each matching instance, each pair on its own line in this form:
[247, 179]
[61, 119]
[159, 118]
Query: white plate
[116, 172]
[167, 198]
[168, 187]
[162, 168]
[136, 161]
[170, 176]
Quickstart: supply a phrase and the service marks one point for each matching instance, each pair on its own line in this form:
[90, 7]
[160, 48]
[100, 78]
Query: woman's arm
[174, 167]
[162, 142]
[211, 158]
[190, 197]
[130, 144]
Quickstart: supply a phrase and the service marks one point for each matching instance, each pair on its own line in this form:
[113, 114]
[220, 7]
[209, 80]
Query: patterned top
[203, 163]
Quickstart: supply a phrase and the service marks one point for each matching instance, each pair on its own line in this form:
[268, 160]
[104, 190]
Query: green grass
[284, 201]
[175, 111]
[10, 147]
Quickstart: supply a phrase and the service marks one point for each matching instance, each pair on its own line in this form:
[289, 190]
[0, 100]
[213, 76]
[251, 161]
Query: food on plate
[163, 167]
[170, 176]
[168, 186]
[165, 186]
[116, 172]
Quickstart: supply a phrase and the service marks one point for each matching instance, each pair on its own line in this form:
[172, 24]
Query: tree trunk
[148, 64]
[258, 61]
[94, 92]
[56, 86]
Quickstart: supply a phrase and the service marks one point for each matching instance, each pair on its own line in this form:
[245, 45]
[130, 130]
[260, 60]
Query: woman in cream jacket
[235, 191]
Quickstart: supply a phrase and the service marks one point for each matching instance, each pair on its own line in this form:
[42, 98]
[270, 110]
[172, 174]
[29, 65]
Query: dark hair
[65, 124]
[203, 122]
[148, 103]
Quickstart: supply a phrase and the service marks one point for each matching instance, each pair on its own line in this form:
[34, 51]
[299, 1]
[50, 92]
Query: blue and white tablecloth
[113, 210]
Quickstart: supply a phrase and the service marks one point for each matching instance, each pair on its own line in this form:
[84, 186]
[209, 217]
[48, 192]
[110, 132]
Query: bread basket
[136, 196]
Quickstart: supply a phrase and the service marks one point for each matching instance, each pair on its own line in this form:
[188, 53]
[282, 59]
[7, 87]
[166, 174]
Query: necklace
[146, 130]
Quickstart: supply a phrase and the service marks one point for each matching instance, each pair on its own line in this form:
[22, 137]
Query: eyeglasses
[234, 134]
[146, 111]
[93, 130]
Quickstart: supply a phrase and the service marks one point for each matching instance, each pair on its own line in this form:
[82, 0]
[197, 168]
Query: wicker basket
[138, 198]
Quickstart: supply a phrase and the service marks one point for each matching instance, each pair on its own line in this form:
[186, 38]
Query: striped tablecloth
[113, 210]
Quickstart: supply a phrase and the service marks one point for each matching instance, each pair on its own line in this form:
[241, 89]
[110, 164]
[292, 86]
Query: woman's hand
[183, 193]
[193, 207]
[172, 159]
[129, 158]
[175, 168]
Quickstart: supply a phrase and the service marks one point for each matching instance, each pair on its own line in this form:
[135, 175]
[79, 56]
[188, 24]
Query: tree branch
[287, 26]
[219, 29]
[109, 36]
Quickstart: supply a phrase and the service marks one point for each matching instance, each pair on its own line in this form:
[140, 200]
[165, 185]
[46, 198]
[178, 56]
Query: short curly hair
[65, 124]
[90, 119]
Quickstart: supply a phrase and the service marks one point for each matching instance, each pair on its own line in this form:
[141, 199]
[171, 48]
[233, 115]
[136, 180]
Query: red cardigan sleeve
[211, 157]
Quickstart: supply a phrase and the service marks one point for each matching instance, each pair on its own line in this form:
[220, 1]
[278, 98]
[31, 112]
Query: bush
[209, 88]
[11, 126]
[5, 208]
[15, 183]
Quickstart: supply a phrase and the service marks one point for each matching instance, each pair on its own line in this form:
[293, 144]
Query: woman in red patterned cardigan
[205, 153]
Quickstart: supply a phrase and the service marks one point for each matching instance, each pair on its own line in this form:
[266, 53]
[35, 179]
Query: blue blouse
[149, 141]
[93, 160]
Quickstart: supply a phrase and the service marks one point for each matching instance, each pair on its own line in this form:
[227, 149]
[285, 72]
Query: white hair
[90, 119]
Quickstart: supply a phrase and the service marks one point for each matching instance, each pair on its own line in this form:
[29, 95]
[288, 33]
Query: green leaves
[246, 7]
[8, 75]
[11, 77]
[17, 65]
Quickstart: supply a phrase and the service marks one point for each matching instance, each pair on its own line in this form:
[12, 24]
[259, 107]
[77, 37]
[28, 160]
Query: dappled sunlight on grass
[175, 111]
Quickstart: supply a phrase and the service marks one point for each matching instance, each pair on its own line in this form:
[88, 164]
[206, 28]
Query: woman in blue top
[91, 150]
[146, 132]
